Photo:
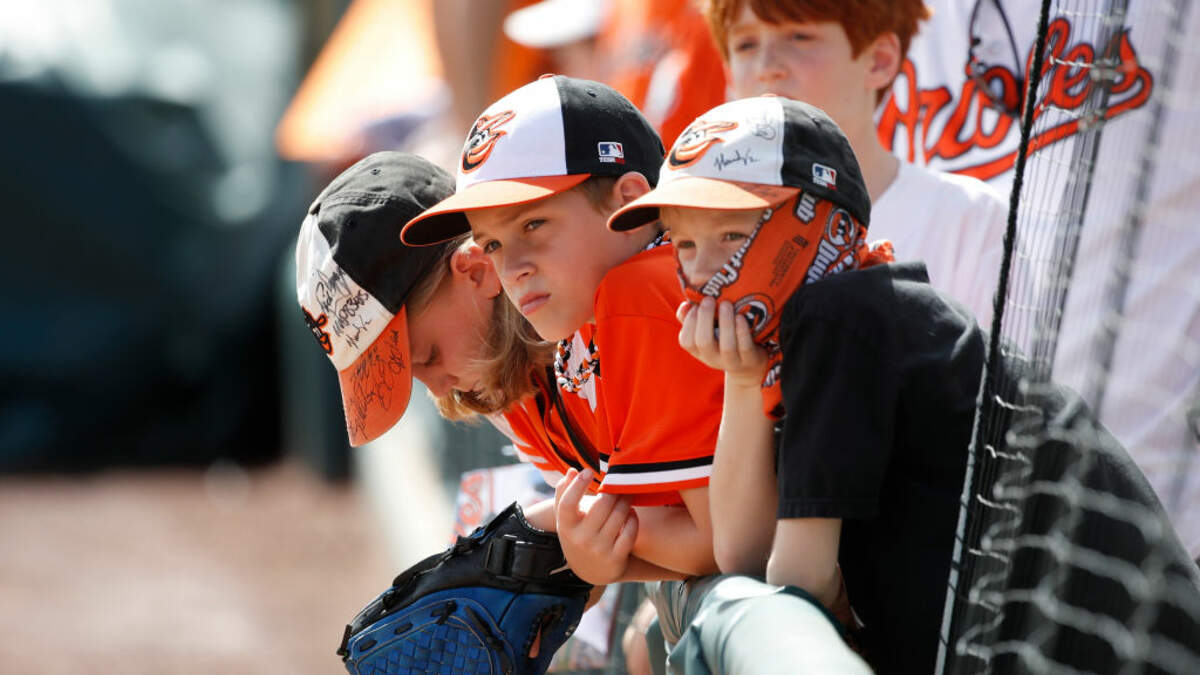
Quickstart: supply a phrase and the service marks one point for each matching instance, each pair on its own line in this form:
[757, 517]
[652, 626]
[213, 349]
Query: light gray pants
[738, 625]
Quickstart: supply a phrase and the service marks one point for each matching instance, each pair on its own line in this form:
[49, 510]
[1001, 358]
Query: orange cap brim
[446, 219]
[377, 386]
[698, 192]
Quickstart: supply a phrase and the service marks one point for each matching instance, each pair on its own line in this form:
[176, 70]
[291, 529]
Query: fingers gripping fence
[1060, 566]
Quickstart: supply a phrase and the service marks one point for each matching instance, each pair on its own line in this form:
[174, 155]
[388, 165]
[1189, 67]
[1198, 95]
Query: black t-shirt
[879, 383]
[880, 375]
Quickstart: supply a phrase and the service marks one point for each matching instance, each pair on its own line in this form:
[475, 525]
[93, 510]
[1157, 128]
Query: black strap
[516, 558]
[584, 451]
[540, 399]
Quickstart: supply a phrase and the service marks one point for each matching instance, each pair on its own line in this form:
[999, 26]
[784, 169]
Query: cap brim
[377, 386]
[447, 219]
[698, 192]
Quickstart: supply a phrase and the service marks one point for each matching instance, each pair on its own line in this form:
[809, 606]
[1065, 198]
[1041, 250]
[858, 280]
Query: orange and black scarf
[801, 240]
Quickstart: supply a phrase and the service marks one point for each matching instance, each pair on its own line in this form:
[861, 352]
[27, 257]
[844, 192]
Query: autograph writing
[745, 159]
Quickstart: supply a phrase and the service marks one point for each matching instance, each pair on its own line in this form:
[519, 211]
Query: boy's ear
[629, 187]
[471, 263]
[884, 60]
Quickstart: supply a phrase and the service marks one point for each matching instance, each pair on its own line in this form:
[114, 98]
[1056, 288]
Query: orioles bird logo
[317, 326]
[483, 138]
[695, 141]
[757, 308]
[840, 229]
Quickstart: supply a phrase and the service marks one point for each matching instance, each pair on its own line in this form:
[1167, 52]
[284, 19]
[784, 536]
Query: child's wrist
[743, 380]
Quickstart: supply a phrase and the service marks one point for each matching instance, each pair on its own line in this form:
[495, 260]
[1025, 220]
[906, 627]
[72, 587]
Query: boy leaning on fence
[873, 375]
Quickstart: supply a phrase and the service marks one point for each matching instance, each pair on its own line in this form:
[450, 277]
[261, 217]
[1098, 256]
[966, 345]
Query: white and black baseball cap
[754, 153]
[353, 277]
[541, 139]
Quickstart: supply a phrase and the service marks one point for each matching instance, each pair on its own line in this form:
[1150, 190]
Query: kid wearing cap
[355, 284]
[841, 56]
[541, 171]
[385, 313]
[872, 371]
[876, 375]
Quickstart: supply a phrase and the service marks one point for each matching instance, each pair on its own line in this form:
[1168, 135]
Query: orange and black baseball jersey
[552, 434]
[657, 408]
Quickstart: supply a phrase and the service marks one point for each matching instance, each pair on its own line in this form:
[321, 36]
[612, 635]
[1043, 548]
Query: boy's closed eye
[433, 358]
[743, 45]
[800, 36]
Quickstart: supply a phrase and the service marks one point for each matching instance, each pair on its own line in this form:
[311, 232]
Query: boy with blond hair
[873, 373]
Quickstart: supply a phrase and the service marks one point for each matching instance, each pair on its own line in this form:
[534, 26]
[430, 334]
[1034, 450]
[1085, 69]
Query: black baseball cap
[751, 154]
[541, 139]
[354, 275]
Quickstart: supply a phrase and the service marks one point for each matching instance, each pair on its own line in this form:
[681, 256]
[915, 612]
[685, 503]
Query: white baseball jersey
[933, 118]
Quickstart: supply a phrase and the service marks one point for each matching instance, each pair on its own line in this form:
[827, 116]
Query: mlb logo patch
[610, 152]
[824, 176]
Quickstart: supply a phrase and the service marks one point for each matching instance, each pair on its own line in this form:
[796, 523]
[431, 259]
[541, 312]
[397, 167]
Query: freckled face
[705, 239]
[811, 62]
[447, 337]
[551, 256]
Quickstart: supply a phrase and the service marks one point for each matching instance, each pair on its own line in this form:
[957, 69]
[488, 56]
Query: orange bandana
[804, 239]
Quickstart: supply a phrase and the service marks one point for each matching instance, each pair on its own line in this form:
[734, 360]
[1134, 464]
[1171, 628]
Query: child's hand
[599, 540]
[735, 351]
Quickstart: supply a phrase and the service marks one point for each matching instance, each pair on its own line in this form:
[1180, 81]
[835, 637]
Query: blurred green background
[147, 216]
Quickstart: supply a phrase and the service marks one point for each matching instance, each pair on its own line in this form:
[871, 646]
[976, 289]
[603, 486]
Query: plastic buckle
[510, 557]
[499, 556]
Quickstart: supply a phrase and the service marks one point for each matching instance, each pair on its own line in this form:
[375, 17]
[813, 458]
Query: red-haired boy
[841, 56]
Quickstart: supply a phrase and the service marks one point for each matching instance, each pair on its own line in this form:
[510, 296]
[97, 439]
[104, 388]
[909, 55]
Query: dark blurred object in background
[147, 214]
